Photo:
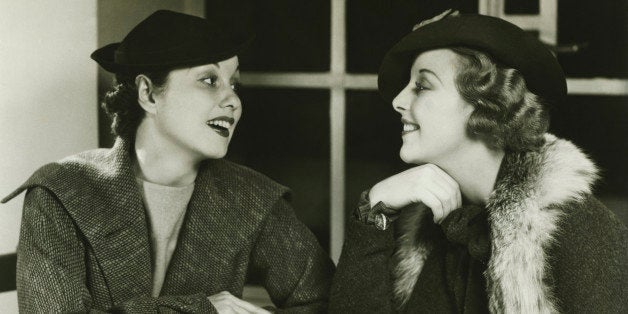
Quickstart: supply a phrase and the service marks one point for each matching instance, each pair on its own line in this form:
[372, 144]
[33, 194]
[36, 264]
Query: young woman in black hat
[499, 215]
[160, 222]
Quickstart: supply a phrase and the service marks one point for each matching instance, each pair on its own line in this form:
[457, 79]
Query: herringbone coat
[85, 241]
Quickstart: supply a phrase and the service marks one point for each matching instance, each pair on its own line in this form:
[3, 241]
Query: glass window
[284, 134]
[374, 26]
[373, 140]
[290, 35]
[598, 124]
[600, 31]
[521, 7]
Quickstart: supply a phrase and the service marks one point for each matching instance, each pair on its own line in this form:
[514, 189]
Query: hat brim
[105, 57]
[506, 43]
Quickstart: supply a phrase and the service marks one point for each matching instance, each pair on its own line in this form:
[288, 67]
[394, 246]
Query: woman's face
[199, 108]
[433, 114]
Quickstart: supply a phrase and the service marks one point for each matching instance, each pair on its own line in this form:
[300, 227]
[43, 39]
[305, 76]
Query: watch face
[381, 222]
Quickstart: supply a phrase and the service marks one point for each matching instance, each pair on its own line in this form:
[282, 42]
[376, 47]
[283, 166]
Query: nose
[402, 100]
[231, 100]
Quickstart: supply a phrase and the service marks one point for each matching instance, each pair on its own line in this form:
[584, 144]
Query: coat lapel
[522, 223]
[204, 247]
[110, 211]
[98, 190]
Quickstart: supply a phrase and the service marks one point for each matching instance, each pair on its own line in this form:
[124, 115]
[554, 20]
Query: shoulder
[587, 225]
[564, 172]
[589, 258]
[72, 170]
[245, 179]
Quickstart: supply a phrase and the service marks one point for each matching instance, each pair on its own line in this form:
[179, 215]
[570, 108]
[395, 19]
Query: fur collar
[522, 225]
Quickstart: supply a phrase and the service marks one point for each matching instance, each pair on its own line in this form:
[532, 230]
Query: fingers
[430, 200]
[439, 191]
[225, 302]
[427, 184]
[452, 185]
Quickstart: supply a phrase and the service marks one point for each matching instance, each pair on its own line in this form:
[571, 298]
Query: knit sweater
[165, 208]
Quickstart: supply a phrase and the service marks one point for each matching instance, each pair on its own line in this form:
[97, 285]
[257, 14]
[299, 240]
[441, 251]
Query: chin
[413, 157]
[213, 153]
[406, 156]
[216, 155]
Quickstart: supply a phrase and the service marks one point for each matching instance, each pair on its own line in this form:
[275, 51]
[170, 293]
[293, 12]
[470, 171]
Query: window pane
[290, 35]
[601, 30]
[373, 138]
[598, 125]
[374, 26]
[284, 134]
[521, 7]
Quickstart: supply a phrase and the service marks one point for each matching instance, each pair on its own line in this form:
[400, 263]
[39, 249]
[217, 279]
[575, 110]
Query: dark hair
[120, 103]
[507, 115]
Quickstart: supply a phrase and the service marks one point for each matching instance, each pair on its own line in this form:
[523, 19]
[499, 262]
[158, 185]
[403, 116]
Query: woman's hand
[425, 184]
[225, 302]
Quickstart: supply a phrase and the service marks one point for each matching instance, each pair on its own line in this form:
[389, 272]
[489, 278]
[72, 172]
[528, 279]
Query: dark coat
[550, 246]
[85, 241]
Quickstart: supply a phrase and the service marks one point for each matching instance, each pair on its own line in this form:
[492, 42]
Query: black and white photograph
[325, 156]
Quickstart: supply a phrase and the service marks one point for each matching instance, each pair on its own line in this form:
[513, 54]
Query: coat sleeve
[51, 271]
[363, 283]
[294, 269]
[589, 261]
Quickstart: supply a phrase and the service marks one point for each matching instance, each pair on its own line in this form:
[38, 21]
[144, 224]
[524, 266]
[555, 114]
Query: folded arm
[296, 270]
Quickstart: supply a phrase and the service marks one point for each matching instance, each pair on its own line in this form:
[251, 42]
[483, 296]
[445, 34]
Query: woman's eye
[211, 81]
[419, 87]
[236, 86]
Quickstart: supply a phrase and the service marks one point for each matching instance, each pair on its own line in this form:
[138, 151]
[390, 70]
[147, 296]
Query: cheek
[238, 114]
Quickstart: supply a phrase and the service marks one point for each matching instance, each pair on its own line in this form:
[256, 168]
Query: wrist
[378, 214]
[374, 196]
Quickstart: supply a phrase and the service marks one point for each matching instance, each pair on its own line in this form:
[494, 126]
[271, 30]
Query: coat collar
[98, 190]
[523, 222]
[100, 193]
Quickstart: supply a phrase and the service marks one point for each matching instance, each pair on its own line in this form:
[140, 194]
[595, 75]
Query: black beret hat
[504, 42]
[168, 39]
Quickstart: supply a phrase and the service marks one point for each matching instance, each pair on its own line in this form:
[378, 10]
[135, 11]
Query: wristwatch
[380, 216]
[381, 222]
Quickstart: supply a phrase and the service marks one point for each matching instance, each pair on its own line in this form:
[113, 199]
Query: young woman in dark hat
[499, 215]
[160, 222]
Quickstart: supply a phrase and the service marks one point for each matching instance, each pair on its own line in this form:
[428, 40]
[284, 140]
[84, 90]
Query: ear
[145, 91]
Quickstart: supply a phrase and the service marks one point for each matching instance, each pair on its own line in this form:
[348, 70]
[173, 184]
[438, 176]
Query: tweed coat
[85, 241]
[550, 247]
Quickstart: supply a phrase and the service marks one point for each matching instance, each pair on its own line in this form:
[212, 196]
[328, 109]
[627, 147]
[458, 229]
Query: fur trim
[523, 223]
[411, 252]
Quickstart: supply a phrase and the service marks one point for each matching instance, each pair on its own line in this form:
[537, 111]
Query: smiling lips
[408, 127]
[221, 125]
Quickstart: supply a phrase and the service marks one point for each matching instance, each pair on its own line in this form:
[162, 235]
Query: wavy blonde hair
[507, 115]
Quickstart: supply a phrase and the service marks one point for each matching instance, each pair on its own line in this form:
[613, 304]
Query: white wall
[48, 100]
[48, 87]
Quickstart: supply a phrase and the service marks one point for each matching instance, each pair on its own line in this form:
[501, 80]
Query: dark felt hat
[504, 42]
[168, 39]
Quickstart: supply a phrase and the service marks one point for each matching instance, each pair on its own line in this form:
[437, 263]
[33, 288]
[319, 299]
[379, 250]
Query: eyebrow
[430, 72]
[208, 69]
